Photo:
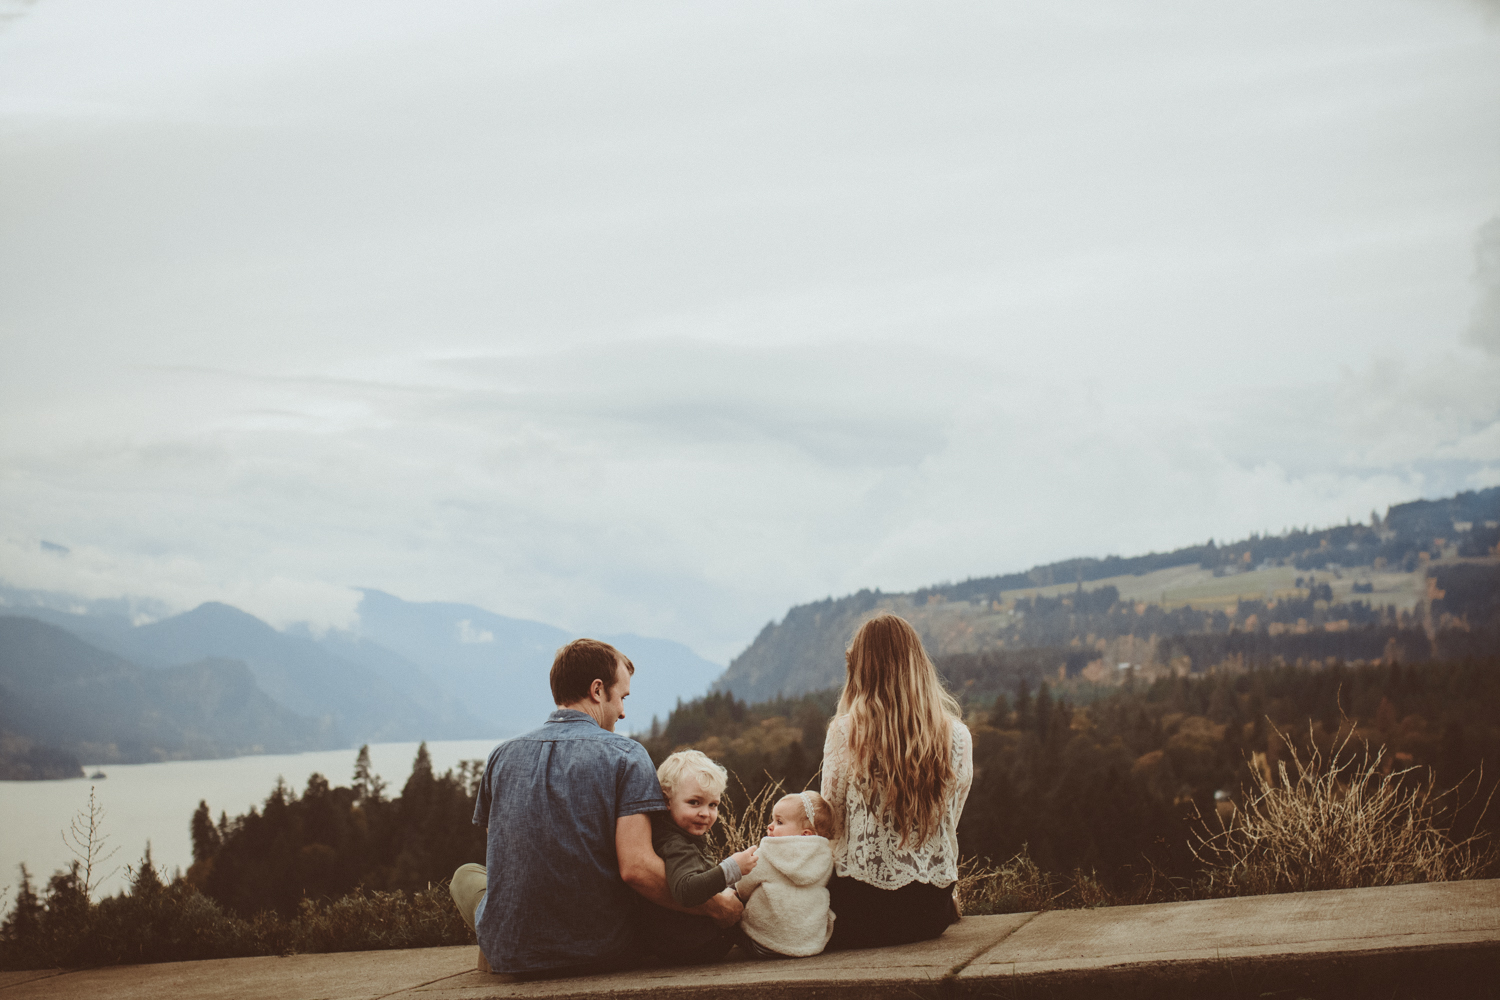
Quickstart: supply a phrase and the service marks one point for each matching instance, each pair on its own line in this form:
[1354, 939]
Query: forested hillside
[1338, 578]
[1115, 787]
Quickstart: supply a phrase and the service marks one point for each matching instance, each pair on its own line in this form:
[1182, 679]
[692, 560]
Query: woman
[896, 769]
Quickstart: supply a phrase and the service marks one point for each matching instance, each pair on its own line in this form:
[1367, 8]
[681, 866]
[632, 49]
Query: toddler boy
[692, 784]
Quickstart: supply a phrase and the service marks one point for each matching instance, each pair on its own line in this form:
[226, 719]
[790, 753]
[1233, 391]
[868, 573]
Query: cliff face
[805, 652]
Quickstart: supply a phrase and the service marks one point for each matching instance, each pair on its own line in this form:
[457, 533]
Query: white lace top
[869, 850]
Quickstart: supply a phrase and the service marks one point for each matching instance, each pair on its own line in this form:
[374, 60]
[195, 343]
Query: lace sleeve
[963, 776]
[835, 786]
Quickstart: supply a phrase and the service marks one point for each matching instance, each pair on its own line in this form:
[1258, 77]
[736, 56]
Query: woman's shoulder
[838, 728]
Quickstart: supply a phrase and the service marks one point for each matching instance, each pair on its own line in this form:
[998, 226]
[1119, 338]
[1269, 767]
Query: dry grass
[1340, 823]
[738, 829]
[1019, 886]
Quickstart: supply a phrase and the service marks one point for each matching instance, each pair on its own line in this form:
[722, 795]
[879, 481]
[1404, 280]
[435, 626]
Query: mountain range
[217, 681]
[99, 681]
[62, 700]
[499, 665]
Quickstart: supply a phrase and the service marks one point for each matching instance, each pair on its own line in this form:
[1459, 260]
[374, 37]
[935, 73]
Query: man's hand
[725, 909]
[746, 859]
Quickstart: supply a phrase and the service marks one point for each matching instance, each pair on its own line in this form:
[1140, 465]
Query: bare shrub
[86, 839]
[1019, 886]
[1339, 823]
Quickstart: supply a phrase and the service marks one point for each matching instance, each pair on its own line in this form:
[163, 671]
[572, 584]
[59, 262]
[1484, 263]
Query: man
[567, 808]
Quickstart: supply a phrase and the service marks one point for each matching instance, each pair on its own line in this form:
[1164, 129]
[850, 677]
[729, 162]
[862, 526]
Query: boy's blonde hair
[711, 777]
[821, 820]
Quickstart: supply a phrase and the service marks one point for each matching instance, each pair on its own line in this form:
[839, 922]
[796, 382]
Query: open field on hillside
[1172, 588]
[971, 627]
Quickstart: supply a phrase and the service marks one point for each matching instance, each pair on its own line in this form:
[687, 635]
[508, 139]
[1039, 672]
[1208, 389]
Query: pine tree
[419, 785]
[1023, 705]
[22, 927]
[1043, 710]
[367, 785]
[206, 839]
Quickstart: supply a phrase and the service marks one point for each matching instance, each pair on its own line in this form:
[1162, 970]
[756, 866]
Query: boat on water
[98, 776]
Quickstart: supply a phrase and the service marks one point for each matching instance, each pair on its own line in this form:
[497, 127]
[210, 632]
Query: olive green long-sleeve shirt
[691, 877]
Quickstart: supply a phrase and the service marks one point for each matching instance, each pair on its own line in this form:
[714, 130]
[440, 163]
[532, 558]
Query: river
[155, 802]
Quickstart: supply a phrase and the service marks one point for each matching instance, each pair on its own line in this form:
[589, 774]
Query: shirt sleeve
[636, 787]
[963, 768]
[835, 783]
[747, 884]
[482, 800]
[690, 879]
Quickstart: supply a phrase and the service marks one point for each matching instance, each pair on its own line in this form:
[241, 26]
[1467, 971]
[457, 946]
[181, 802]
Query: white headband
[808, 810]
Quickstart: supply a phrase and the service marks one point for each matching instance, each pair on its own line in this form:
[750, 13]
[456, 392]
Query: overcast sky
[663, 317]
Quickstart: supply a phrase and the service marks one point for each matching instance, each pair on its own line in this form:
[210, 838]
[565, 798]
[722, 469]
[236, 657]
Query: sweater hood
[803, 860]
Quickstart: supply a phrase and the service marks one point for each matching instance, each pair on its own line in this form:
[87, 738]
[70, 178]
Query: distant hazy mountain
[498, 666]
[59, 692]
[407, 671]
[411, 682]
[299, 672]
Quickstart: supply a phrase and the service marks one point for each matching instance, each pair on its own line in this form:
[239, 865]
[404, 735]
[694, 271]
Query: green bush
[156, 921]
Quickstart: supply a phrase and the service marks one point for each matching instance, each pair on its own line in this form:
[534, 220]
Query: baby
[786, 896]
[692, 784]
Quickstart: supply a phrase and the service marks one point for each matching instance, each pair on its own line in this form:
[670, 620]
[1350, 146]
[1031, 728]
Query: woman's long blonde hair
[900, 732]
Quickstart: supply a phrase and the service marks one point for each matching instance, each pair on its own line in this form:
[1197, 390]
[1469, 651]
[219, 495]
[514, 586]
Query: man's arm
[644, 872]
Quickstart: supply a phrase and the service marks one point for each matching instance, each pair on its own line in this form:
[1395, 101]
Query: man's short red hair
[580, 663]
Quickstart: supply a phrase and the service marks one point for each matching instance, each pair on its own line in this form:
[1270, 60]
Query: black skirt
[869, 917]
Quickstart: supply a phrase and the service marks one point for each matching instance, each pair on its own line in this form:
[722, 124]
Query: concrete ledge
[1416, 940]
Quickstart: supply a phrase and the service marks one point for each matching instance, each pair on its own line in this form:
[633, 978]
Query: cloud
[661, 321]
[1484, 328]
[467, 633]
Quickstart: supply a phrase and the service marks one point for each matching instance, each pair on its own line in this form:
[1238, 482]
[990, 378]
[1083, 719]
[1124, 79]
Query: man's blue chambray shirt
[550, 798]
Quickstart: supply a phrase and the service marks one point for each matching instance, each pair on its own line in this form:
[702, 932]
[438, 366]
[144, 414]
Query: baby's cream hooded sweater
[787, 911]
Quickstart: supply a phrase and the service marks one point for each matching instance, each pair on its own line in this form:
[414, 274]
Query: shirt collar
[571, 715]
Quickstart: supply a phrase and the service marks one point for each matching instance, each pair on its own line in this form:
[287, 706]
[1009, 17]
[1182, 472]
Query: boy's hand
[746, 859]
[724, 909]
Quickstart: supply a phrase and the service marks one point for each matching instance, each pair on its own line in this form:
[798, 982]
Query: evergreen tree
[23, 924]
[205, 837]
[367, 785]
[1043, 711]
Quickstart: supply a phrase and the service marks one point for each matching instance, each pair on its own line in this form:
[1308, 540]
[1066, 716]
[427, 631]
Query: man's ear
[596, 691]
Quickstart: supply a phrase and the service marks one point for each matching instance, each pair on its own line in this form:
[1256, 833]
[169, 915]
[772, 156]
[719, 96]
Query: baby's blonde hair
[821, 820]
[711, 777]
